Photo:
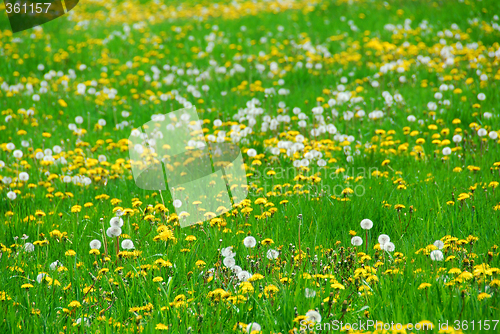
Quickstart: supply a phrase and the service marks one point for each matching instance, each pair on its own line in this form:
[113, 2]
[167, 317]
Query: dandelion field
[370, 135]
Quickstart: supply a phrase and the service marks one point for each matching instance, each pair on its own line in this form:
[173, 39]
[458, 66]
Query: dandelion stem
[366, 241]
[117, 245]
[104, 237]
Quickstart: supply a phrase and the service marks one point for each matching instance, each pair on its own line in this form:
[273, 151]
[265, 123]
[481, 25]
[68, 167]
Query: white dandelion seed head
[482, 132]
[40, 277]
[356, 241]
[446, 151]
[57, 149]
[493, 135]
[253, 326]
[439, 244]
[23, 176]
[11, 195]
[229, 262]
[272, 254]
[116, 221]
[244, 276]
[177, 203]
[85, 320]
[383, 238]
[29, 247]
[236, 270]
[113, 232]
[127, 244]
[251, 153]
[54, 265]
[389, 247]
[249, 242]
[457, 138]
[313, 316]
[437, 255]
[366, 224]
[95, 244]
[18, 154]
[310, 293]
[227, 252]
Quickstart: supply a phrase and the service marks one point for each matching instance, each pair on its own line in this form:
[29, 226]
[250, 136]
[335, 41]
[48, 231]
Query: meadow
[370, 135]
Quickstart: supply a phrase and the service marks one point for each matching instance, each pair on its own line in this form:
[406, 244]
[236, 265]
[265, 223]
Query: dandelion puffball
[356, 241]
[249, 242]
[388, 247]
[29, 247]
[310, 293]
[366, 224]
[40, 277]
[482, 132]
[437, 255]
[227, 252]
[177, 203]
[313, 316]
[127, 244]
[54, 265]
[446, 151]
[229, 262]
[95, 244]
[18, 154]
[253, 326]
[383, 239]
[272, 254]
[11, 195]
[244, 276]
[251, 153]
[116, 222]
[23, 176]
[439, 244]
[113, 232]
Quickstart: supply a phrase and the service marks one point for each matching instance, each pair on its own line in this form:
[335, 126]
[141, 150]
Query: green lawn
[387, 111]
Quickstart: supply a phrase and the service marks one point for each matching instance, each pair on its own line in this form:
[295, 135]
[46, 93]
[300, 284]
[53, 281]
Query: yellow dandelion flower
[424, 286]
[74, 304]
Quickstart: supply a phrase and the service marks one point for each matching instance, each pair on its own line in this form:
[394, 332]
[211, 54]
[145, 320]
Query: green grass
[315, 251]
